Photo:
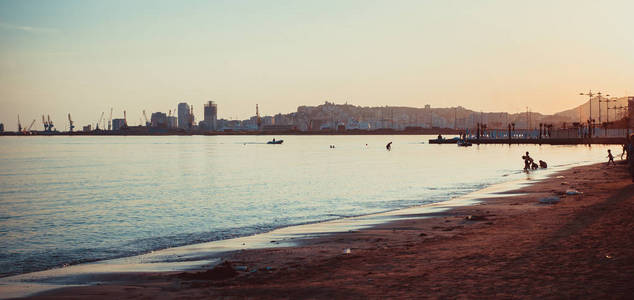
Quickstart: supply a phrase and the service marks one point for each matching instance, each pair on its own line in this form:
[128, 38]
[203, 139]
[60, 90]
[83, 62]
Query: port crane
[99, 121]
[28, 130]
[50, 123]
[110, 120]
[147, 123]
[19, 124]
[45, 124]
[71, 125]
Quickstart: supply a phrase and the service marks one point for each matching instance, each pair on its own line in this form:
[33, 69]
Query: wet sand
[581, 247]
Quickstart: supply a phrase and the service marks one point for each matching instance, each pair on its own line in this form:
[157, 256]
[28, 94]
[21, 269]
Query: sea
[67, 200]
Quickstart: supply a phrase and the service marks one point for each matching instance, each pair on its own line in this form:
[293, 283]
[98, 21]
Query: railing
[573, 133]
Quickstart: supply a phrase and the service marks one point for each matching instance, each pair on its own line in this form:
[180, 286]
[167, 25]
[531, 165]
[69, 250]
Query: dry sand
[510, 247]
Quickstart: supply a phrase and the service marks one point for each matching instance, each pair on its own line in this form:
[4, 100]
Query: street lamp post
[613, 108]
[589, 94]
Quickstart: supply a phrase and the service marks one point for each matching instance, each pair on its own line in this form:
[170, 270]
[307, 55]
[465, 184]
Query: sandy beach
[505, 247]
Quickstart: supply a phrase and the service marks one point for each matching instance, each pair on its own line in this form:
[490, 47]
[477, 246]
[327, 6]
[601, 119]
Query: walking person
[610, 158]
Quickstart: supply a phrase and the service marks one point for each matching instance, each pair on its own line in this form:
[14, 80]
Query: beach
[507, 246]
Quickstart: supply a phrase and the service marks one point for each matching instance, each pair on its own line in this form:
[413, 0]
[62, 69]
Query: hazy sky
[85, 57]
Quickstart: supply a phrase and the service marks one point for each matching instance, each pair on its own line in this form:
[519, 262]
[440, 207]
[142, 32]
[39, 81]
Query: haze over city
[85, 57]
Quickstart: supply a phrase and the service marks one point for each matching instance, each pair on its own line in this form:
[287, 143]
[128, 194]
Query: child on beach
[610, 158]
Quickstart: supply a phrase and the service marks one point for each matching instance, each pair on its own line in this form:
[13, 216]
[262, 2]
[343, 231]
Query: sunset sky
[85, 57]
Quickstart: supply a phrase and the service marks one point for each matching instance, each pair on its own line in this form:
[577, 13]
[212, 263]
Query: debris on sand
[475, 218]
[573, 192]
[549, 200]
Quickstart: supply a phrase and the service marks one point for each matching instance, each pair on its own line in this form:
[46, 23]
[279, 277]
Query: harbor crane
[110, 120]
[71, 125]
[50, 123]
[98, 122]
[28, 130]
[147, 123]
[19, 124]
[45, 124]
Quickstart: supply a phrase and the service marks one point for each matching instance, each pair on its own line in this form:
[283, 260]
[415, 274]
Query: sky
[85, 57]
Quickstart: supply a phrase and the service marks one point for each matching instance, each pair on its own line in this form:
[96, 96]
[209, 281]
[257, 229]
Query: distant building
[87, 128]
[185, 118]
[268, 120]
[158, 120]
[278, 127]
[172, 122]
[211, 116]
[1, 127]
[117, 124]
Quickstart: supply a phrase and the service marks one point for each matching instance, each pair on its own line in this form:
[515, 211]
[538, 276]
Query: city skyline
[85, 57]
[332, 115]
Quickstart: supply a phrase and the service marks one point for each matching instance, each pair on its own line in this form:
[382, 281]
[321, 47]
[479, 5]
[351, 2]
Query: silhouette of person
[542, 164]
[534, 166]
[388, 146]
[610, 158]
[527, 161]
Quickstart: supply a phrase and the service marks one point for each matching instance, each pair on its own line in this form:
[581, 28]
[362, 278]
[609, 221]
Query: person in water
[388, 146]
[534, 166]
[610, 158]
[527, 161]
[542, 164]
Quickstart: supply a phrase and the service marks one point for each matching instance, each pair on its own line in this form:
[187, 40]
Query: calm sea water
[67, 200]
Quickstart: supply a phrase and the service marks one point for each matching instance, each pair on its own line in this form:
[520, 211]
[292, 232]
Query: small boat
[462, 143]
[444, 141]
[275, 142]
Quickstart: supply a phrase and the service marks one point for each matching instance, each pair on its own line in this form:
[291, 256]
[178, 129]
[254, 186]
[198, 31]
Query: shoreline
[194, 257]
[320, 266]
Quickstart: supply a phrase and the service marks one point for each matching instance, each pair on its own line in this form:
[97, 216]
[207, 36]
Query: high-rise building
[159, 120]
[184, 116]
[211, 115]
